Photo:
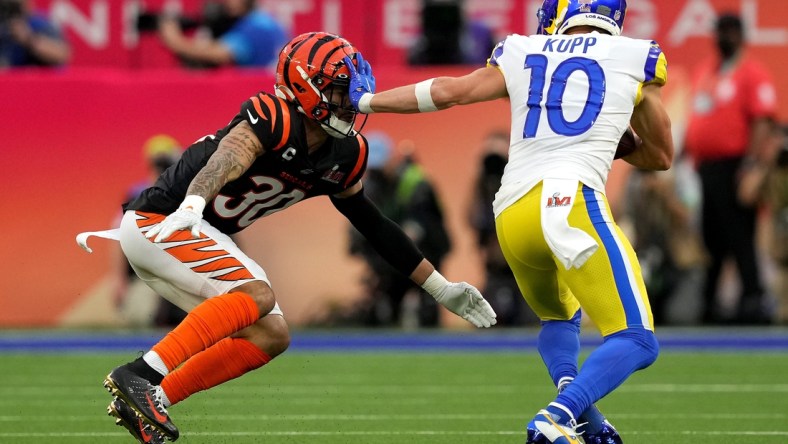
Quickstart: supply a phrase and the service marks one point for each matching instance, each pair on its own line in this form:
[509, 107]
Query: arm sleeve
[386, 237]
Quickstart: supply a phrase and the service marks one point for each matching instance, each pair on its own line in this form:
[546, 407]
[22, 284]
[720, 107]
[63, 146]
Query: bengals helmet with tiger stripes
[312, 74]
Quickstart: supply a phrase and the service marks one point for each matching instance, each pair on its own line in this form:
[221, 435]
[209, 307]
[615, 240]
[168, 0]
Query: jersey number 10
[537, 63]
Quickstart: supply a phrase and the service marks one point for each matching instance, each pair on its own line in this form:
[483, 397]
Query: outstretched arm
[481, 85]
[652, 124]
[395, 246]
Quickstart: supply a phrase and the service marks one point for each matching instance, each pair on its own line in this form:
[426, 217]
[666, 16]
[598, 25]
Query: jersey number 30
[537, 63]
[257, 202]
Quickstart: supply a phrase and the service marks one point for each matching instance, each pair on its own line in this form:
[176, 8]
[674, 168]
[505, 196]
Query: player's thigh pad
[183, 269]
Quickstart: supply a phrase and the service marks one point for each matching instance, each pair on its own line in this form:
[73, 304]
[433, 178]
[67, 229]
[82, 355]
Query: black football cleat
[126, 416]
[143, 398]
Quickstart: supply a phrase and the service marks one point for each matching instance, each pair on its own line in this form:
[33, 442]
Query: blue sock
[560, 413]
[607, 367]
[591, 420]
[559, 347]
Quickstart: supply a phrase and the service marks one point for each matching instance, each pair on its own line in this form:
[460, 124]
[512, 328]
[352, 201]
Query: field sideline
[707, 387]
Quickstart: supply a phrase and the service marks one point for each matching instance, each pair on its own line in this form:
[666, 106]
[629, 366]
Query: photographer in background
[232, 33]
[733, 91]
[28, 38]
[778, 200]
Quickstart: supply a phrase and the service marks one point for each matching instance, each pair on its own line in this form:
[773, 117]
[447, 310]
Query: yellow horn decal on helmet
[560, 13]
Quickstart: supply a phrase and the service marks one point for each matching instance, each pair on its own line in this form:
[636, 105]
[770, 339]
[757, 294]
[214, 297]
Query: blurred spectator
[233, 33]
[399, 187]
[137, 303]
[778, 201]
[734, 92]
[476, 41]
[28, 38]
[450, 37]
[660, 207]
[500, 287]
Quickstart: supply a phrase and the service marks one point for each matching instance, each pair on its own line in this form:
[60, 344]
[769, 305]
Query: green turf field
[399, 397]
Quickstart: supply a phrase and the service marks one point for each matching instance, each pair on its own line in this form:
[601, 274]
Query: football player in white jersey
[575, 88]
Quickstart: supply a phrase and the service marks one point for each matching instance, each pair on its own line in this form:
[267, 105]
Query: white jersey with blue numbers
[571, 97]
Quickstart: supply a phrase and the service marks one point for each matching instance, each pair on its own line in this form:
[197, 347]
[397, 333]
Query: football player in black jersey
[278, 150]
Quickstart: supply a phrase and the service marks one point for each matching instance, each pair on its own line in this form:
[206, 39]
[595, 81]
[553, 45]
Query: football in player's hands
[628, 144]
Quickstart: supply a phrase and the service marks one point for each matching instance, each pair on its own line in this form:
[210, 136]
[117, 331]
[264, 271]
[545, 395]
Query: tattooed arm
[236, 153]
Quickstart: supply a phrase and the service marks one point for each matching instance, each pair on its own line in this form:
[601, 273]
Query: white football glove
[462, 299]
[187, 217]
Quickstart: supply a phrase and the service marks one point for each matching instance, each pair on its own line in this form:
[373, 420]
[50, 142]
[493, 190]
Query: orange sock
[208, 323]
[226, 360]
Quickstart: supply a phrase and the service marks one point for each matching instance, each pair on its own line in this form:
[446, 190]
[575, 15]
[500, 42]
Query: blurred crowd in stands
[29, 38]
[402, 189]
[711, 233]
[229, 33]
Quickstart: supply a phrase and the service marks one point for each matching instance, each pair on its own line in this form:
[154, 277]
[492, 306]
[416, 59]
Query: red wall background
[72, 137]
[72, 146]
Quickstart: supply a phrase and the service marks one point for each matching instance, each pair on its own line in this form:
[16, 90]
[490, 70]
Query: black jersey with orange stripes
[286, 173]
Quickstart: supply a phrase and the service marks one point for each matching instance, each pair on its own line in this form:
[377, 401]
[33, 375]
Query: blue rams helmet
[556, 16]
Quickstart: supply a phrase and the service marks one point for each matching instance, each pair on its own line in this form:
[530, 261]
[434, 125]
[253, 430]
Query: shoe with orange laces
[143, 397]
[140, 430]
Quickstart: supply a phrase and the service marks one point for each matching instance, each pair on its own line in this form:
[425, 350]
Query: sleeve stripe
[271, 108]
[362, 155]
[496, 52]
[278, 111]
[285, 122]
[258, 108]
[655, 69]
[651, 68]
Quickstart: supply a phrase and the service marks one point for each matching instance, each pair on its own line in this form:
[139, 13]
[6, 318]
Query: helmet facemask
[318, 85]
[334, 111]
